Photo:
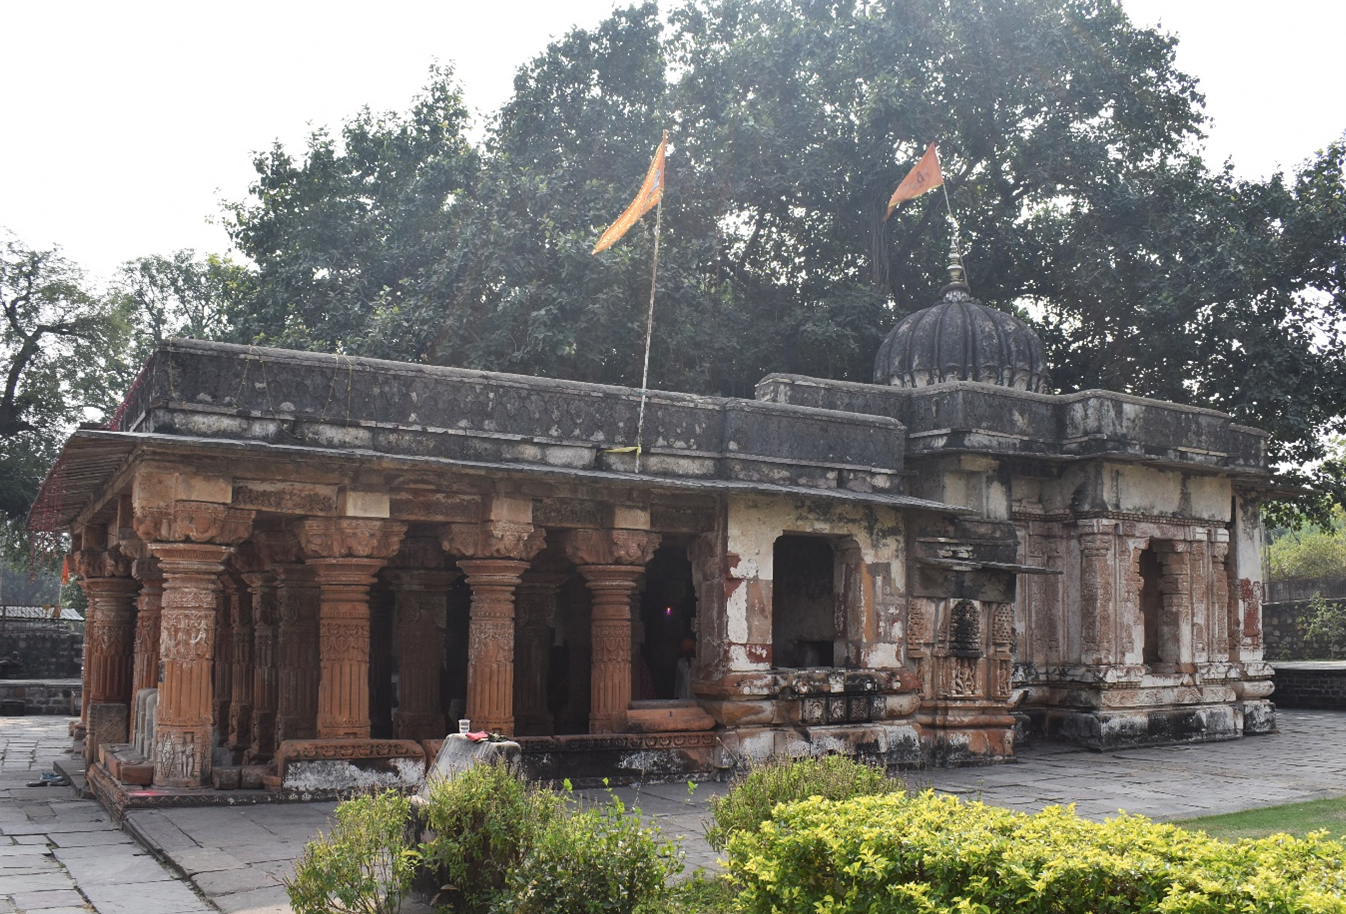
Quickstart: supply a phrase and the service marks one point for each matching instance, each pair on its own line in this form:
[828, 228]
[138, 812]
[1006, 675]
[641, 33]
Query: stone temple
[304, 569]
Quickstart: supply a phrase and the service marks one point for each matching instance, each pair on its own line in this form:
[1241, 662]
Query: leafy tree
[57, 344]
[347, 239]
[1070, 147]
[183, 295]
[1309, 553]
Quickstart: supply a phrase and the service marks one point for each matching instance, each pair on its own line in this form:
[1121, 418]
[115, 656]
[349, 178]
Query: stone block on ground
[458, 753]
[108, 722]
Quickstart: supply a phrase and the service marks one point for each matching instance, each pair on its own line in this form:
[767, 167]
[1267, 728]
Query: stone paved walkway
[59, 854]
[62, 855]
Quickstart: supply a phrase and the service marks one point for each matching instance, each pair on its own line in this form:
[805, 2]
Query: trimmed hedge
[930, 853]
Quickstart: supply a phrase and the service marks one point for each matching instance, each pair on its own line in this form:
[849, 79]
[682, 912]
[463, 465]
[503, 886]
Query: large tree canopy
[1071, 149]
[1070, 145]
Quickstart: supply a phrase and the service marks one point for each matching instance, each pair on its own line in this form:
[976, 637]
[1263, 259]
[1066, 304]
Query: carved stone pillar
[192, 541]
[1096, 596]
[381, 663]
[265, 697]
[182, 742]
[493, 555]
[109, 638]
[345, 554]
[536, 611]
[419, 587]
[224, 666]
[1175, 588]
[145, 670]
[239, 603]
[612, 562]
[298, 661]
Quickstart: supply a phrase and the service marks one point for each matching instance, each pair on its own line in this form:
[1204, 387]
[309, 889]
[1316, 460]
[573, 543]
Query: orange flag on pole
[925, 176]
[651, 192]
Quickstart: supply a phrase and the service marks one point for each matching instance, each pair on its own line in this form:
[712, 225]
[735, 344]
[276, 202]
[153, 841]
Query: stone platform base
[1118, 729]
[587, 760]
[894, 745]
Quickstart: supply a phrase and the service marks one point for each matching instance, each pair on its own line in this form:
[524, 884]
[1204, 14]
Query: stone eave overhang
[93, 458]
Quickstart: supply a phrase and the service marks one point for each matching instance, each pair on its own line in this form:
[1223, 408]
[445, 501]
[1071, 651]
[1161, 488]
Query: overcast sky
[126, 123]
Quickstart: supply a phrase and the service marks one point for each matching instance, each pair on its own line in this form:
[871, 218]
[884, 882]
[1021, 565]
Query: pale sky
[126, 123]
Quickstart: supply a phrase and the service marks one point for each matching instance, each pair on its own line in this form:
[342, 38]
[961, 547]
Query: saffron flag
[925, 176]
[651, 192]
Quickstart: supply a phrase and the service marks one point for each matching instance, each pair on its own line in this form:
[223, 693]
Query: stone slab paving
[60, 854]
[1306, 760]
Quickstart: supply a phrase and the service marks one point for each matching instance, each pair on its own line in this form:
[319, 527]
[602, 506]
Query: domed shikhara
[960, 339]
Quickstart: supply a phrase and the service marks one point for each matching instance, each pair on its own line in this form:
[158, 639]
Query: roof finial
[956, 275]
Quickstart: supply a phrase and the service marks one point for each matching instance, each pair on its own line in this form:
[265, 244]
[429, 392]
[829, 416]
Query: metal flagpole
[649, 332]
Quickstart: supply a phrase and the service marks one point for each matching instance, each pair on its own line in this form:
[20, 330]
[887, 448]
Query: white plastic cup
[464, 725]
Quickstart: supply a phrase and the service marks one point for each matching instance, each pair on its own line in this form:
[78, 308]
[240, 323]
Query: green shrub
[752, 797]
[481, 824]
[929, 853]
[600, 860]
[363, 864]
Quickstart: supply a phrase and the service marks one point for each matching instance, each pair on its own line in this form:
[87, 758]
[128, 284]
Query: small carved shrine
[322, 563]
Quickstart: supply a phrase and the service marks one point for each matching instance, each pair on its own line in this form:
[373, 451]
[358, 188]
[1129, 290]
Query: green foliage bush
[1309, 553]
[599, 860]
[364, 864]
[752, 797]
[480, 825]
[930, 853]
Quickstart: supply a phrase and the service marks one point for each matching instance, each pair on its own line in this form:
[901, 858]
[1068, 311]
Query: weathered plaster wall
[871, 592]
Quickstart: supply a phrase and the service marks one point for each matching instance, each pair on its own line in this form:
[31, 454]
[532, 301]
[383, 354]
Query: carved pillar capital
[193, 522]
[495, 539]
[100, 563]
[610, 547]
[349, 537]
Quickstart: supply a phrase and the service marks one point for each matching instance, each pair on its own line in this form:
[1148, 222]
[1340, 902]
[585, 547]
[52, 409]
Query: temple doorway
[667, 627]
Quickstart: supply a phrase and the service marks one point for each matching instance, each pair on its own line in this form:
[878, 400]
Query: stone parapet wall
[992, 419]
[40, 696]
[1283, 628]
[46, 650]
[1307, 684]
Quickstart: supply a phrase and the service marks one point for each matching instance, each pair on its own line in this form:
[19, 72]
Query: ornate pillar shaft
[612, 587]
[494, 555]
[1096, 597]
[224, 666]
[535, 610]
[110, 633]
[145, 670]
[343, 645]
[381, 664]
[490, 642]
[612, 562]
[109, 648]
[297, 661]
[345, 554]
[239, 603]
[265, 696]
[419, 644]
[182, 741]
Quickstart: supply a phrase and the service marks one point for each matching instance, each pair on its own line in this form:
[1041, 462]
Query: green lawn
[1294, 818]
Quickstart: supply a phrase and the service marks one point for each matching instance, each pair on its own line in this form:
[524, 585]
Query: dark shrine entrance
[668, 624]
